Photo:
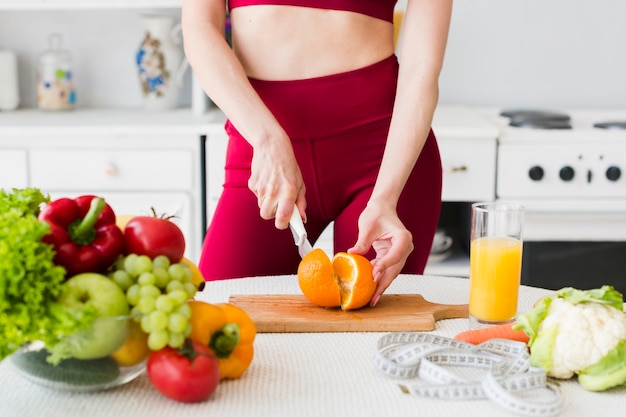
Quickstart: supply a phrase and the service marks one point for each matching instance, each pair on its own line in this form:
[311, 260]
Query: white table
[320, 374]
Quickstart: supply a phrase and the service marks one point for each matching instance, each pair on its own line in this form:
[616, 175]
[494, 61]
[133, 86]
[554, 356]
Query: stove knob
[566, 173]
[613, 173]
[536, 173]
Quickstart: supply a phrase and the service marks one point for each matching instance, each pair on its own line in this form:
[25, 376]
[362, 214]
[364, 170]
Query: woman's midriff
[291, 43]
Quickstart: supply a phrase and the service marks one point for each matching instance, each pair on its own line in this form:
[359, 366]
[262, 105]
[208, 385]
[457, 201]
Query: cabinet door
[13, 169]
[177, 204]
[113, 169]
[469, 168]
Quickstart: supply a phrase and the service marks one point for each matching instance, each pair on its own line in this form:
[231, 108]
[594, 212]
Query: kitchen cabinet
[135, 160]
[109, 145]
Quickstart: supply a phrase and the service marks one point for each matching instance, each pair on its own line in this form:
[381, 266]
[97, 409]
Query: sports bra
[381, 9]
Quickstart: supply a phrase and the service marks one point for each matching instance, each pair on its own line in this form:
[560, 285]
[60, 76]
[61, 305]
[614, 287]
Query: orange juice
[398, 17]
[495, 268]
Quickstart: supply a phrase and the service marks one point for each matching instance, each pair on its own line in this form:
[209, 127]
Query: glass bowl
[110, 353]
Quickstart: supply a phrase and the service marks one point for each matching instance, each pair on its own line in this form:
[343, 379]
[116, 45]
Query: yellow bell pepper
[228, 331]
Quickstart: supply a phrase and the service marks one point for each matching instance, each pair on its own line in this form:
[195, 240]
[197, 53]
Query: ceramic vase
[161, 62]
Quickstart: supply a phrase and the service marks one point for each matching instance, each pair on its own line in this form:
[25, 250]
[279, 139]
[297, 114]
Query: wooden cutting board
[292, 313]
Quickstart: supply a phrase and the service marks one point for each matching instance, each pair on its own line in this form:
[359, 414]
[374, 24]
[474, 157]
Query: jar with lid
[55, 79]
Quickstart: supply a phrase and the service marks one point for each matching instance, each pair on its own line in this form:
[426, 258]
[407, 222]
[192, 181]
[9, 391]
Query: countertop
[315, 374]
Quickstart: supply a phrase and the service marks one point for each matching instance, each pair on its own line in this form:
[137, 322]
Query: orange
[135, 349]
[354, 277]
[317, 281]
[344, 282]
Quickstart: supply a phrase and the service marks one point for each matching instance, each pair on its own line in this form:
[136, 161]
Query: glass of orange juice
[495, 262]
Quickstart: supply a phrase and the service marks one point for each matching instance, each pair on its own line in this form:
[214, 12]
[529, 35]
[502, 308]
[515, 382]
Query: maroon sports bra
[381, 9]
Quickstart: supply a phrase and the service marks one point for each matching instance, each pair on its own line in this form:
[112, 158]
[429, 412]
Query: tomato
[188, 374]
[153, 236]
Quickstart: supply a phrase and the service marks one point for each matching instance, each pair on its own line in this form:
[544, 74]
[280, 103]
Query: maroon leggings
[338, 126]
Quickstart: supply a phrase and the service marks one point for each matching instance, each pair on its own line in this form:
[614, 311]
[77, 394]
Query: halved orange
[344, 282]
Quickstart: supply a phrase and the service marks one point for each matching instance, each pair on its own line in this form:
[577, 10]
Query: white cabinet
[13, 168]
[139, 162]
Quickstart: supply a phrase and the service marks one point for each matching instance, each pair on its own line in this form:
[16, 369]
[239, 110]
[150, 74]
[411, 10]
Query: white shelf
[88, 4]
[33, 122]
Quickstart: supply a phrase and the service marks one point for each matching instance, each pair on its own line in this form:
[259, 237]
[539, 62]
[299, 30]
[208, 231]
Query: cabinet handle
[110, 170]
[450, 170]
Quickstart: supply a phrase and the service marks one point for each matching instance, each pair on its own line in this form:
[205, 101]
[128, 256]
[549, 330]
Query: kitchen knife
[299, 233]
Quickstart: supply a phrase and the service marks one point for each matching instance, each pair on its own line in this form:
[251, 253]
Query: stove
[568, 168]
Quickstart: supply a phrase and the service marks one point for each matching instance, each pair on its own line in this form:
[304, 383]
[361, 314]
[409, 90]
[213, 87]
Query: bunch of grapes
[157, 291]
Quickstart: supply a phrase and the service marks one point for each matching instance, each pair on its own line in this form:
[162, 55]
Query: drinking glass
[495, 262]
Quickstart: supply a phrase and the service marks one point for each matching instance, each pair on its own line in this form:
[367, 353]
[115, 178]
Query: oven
[569, 171]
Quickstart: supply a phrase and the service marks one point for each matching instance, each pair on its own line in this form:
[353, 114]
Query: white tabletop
[319, 374]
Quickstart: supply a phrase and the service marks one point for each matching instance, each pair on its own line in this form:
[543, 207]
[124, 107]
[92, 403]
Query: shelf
[88, 4]
[33, 122]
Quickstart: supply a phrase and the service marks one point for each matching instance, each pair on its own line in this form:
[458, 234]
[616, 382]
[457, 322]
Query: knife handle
[297, 227]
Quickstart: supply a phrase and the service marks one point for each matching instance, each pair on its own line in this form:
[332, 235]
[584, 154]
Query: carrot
[499, 331]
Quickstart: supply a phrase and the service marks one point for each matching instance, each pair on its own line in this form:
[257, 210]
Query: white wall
[102, 43]
[546, 53]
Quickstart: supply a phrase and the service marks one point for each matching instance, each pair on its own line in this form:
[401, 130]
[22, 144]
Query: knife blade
[299, 233]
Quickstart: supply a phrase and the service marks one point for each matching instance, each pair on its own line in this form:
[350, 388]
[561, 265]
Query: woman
[309, 89]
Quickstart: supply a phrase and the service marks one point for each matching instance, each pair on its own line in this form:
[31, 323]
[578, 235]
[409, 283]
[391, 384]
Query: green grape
[132, 294]
[188, 277]
[177, 272]
[158, 320]
[129, 263]
[162, 277]
[177, 323]
[143, 264]
[164, 303]
[147, 278]
[157, 340]
[146, 305]
[161, 261]
[174, 286]
[145, 323]
[122, 279]
[176, 340]
[149, 291]
[119, 263]
[135, 313]
[178, 296]
[188, 330]
[190, 289]
[184, 310]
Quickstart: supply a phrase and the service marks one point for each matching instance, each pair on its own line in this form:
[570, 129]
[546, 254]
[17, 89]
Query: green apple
[110, 327]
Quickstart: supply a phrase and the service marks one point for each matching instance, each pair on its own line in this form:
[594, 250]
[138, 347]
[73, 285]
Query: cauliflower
[579, 332]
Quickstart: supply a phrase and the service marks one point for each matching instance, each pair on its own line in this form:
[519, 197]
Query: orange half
[344, 282]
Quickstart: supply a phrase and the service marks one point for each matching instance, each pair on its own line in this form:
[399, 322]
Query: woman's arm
[425, 35]
[275, 178]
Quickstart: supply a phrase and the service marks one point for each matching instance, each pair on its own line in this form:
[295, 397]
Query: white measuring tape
[450, 369]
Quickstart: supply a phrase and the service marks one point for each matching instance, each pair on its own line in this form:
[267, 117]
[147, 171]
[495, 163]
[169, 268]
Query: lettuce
[30, 282]
[608, 372]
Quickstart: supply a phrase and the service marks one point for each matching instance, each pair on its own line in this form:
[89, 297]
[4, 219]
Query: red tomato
[153, 236]
[189, 374]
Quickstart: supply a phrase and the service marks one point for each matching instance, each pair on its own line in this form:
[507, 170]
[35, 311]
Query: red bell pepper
[83, 233]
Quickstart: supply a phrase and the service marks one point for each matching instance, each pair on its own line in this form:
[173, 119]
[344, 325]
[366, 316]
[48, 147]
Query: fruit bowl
[110, 353]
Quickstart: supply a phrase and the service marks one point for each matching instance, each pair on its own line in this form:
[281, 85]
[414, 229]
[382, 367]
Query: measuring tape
[445, 368]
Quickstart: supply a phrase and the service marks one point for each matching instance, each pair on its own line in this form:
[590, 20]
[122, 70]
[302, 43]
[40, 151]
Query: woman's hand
[276, 180]
[381, 229]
